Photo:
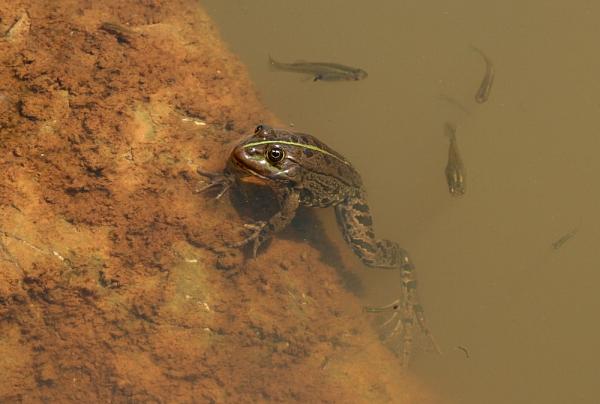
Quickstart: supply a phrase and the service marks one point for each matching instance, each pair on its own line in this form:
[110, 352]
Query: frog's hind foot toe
[393, 306]
[398, 329]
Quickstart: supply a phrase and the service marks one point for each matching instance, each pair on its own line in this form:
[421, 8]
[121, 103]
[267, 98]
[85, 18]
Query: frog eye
[275, 153]
[259, 129]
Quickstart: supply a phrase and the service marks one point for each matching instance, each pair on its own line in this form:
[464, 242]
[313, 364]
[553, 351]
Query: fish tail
[483, 55]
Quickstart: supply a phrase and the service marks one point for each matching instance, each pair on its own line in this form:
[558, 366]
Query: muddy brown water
[490, 280]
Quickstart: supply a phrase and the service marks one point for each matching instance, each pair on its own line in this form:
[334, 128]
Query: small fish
[455, 172]
[483, 93]
[465, 350]
[322, 71]
[559, 243]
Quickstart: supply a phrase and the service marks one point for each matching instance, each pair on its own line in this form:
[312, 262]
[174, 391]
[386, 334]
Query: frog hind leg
[355, 221]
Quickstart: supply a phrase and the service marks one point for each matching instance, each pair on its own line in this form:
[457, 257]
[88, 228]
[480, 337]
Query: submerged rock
[115, 280]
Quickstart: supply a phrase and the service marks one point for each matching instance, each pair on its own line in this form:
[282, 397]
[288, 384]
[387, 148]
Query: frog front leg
[354, 218]
[289, 201]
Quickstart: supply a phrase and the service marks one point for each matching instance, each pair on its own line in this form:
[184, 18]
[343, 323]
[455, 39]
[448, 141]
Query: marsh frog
[301, 170]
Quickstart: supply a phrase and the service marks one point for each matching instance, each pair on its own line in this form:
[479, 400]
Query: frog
[301, 170]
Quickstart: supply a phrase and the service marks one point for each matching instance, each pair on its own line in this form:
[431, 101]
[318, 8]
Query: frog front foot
[256, 236]
[219, 181]
[401, 327]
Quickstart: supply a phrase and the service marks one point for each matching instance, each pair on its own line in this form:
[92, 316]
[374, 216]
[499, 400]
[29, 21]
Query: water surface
[490, 280]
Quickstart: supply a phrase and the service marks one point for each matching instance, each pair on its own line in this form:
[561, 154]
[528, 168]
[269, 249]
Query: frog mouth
[248, 175]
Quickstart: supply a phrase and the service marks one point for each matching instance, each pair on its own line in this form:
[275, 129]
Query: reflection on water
[511, 313]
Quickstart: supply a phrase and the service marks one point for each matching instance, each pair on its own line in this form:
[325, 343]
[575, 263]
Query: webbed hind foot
[400, 327]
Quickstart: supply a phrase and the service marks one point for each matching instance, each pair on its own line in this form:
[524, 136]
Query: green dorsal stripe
[305, 146]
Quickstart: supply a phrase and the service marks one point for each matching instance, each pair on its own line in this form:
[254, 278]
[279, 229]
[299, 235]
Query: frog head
[268, 155]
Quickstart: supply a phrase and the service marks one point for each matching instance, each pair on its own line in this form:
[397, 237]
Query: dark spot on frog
[365, 220]
[308, 153]
[304, 140]
[364, 245]
[306, 195]
[360, 207]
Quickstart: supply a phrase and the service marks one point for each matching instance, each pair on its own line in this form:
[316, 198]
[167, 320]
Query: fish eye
[275, 153]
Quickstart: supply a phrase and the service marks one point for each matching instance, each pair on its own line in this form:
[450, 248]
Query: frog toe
[254, 237]
[216, 180]
[382, 309]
